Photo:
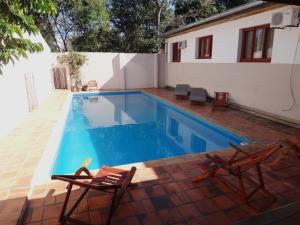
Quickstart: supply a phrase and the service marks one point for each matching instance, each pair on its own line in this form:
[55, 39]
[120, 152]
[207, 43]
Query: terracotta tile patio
[20, 152]
[164, 193]
[170, 198]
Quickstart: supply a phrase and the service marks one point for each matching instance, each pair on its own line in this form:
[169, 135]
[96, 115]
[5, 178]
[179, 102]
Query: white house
[251, 51]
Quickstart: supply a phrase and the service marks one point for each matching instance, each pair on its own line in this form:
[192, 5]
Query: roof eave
[216, 17]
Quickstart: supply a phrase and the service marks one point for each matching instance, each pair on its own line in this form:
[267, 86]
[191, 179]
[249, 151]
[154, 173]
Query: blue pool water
[127, 127]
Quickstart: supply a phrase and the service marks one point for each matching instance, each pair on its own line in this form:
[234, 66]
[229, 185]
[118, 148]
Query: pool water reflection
[121, 128]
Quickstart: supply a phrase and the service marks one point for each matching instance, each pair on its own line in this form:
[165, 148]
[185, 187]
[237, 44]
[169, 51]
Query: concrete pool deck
[164, 195]
[20, 152]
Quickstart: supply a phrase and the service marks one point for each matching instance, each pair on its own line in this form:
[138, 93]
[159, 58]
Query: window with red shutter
[176, 51]
[257, 44]
[205, 47]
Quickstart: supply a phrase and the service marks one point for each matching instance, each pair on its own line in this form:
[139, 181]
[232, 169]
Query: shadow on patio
[166, 195]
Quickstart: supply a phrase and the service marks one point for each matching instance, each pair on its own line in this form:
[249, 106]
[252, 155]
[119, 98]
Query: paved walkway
[256, 128]
[20, 152]
[164, 194]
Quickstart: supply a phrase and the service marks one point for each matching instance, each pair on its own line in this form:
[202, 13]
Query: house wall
[264, 87]
[120, 70]
[13, 96]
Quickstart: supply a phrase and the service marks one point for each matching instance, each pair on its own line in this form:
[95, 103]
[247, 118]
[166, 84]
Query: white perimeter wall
[120, 70]
[13, 95]
[261, 86]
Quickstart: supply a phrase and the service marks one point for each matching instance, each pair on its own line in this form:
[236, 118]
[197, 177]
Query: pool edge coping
[42, 175]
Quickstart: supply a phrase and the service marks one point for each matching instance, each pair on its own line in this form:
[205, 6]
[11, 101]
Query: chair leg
[262, 183]
[62, 213]
[243, 189]
[77, 202]
[63, 217]
[112, 207]
[260, 176]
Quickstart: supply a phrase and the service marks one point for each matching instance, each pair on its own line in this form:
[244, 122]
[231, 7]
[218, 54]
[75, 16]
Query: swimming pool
[126, 127]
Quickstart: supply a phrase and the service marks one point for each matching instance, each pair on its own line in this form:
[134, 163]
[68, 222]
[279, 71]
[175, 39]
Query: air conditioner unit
[286, 18]
[182, 44]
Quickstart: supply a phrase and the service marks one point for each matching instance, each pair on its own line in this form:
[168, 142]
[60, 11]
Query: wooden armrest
[238, 150]
[84, 169]
[218, 161]
[86, 185]
[77, 173]
[73, 177]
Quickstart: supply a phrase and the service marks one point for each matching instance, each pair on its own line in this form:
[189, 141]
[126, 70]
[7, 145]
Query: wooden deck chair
[238, 166]
[221, 99]
[110, 180]
[92, 85]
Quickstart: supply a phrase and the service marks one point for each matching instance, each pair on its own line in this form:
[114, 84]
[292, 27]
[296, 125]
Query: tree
[74, 18]
[138, 23]
[122, 25]
[163, 14]
[234, 3]
[15, 20]
[189, 11]
[97, 41]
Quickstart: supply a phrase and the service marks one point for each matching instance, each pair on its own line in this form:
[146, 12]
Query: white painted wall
[226, 41]
[139, 70]
[261, 86]
[264, 87]
[120, 70]
[13, 96]
[105, 69]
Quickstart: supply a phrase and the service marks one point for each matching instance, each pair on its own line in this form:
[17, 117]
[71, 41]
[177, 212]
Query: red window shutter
[205, 47]
[176, 52]
[257, 43]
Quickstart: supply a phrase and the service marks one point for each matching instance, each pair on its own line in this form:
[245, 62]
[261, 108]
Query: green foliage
[74, 18]
[74, 61]
[97, 41]
[138, 23]
[15, 20]
[122, 25]
[189, 11]
[234, 3]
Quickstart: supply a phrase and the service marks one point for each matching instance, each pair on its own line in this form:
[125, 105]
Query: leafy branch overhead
[74, 19]
[96, 25]
[15, 21]
[122, 25]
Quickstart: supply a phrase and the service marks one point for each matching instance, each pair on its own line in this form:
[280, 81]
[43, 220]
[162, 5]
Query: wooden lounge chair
[238, 166]
[182, 90]
[110, 180]
[92, 85]
[220, 100]
[198, 95]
